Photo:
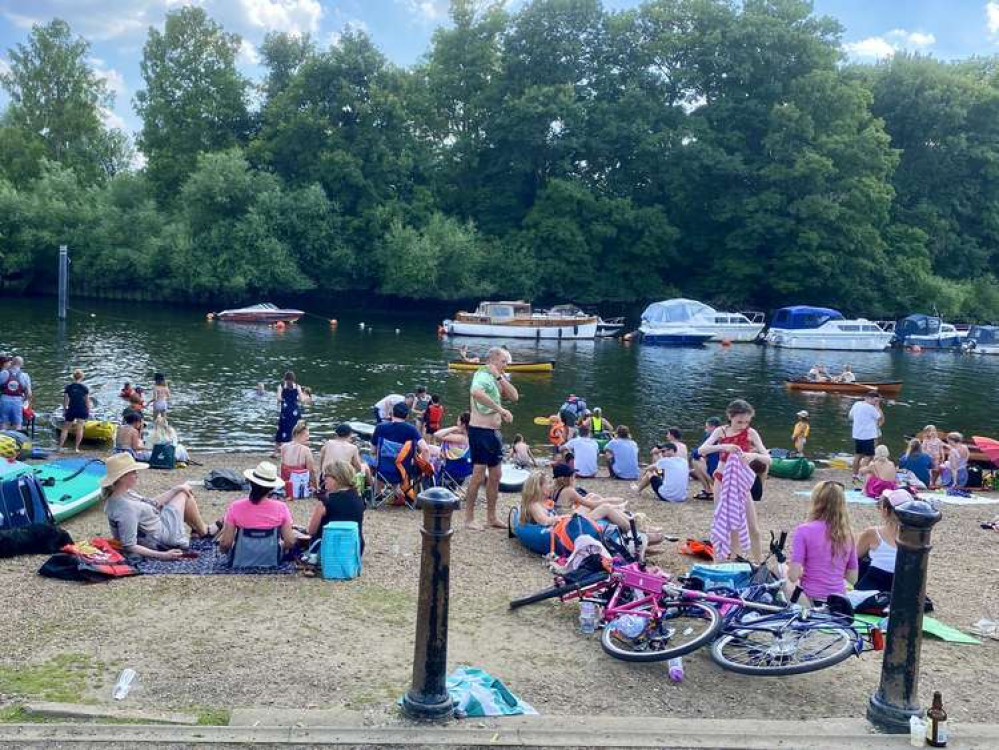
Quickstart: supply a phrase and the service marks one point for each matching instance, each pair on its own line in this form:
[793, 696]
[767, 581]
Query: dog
[33, 539]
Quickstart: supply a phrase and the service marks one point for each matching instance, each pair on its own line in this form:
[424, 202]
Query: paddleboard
[71, 485]
[512, 479]
[363, 429]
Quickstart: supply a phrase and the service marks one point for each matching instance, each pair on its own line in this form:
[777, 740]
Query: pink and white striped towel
[730, 512]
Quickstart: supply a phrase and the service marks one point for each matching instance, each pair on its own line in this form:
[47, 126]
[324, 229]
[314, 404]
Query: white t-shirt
[675, 472]
[865, 421]
[585, 451]
[386, 404]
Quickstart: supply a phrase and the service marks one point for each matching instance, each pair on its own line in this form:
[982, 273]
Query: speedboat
[803, 327]
[265, 312]
[687, 318]
[927, 332]
[516, 320]
[982, 340]
[606, 327]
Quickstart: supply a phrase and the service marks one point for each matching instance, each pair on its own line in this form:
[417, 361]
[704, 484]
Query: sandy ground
[289, 641]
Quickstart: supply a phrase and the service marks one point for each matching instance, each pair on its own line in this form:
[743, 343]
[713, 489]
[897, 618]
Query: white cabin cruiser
[664, 321]
[606, 327]
[516, 320]
[804, 327]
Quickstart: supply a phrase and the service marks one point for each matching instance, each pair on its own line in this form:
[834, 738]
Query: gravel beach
[219, 642]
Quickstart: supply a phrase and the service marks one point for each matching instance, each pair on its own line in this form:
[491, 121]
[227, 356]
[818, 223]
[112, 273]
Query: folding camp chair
[396, 476]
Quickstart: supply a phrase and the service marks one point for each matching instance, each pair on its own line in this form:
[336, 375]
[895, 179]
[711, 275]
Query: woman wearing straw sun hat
[151, 527]
[259, 510]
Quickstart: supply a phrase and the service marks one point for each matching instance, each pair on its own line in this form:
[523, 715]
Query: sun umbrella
[989, 447]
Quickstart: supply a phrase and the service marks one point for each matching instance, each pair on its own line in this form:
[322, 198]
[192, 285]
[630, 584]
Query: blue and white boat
[687, 322]
[983, 340]
[804, 327]
[927, 332]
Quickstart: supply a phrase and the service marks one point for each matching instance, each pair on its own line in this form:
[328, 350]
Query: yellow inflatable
[101, 432]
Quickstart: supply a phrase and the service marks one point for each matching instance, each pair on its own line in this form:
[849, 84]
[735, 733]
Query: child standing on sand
[801, 431]
[161, 395]
[556, 434]
[521, 453]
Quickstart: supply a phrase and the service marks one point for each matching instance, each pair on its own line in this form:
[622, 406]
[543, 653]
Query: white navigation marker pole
[63, 280]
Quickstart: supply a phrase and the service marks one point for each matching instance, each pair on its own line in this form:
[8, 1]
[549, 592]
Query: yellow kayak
[512, 367]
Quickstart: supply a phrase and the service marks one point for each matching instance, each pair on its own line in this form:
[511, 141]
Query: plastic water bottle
[124, 684]
[676, 669]
[587, 618]
[630, 626]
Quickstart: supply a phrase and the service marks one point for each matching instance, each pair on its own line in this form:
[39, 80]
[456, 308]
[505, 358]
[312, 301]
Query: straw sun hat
[264, 474]
[118, 466]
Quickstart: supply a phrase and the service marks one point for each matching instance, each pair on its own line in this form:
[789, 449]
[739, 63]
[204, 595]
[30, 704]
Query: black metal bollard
[897, 697]
[428, 699]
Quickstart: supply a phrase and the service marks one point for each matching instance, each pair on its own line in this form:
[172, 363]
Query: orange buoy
[726, 342]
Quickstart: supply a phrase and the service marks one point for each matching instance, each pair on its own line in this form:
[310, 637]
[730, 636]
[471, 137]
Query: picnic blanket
[211, 561]
[931, 626]
[858, 497]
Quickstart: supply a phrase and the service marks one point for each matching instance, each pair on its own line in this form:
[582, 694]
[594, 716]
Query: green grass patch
[212, 717]
[62, 678]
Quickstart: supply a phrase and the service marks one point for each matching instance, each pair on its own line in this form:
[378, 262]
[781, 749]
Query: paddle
[543, 421]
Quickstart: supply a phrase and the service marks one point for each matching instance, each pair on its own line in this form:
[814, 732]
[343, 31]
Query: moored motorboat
[927, 332]
[890, 389]
[517, 320]
[463, 366]
[982, 340]
[606, 327]
[675, 337]
[686, 316]
[265, 312]
[804, 327]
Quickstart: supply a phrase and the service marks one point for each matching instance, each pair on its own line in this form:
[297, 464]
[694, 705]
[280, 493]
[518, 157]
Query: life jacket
[556, 434]
[433, 416]
[14, 387]
[596, 424]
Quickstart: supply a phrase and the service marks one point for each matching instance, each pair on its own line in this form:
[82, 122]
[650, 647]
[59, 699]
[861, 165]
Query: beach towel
[931, 626]
[852, 496]
[946, 499]
[211, 561]
[730, 512]
[475, 693]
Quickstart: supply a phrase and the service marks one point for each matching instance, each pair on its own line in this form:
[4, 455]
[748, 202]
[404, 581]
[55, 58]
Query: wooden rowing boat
[512, 367]
[890, 389]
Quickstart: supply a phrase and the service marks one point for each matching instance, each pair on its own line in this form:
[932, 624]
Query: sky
[874, 29]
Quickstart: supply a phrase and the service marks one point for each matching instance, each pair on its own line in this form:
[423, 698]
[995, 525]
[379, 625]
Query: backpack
[226, 480]
[164, 456]
[22, 502]
[340, 551]
[256, 548]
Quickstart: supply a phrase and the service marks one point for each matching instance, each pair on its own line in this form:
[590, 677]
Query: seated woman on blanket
[823, 555]
[538, 507]
[881, 473]
[151, 527]
[258, 510]
[878, 545]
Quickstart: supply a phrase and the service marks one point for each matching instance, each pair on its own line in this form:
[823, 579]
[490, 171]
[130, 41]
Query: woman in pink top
[258, 511]
[823, 554]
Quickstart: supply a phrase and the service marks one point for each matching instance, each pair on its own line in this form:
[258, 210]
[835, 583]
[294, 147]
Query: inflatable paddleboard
[71, 485]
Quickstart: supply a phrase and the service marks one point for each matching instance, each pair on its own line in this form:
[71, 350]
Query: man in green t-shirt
[489, 387]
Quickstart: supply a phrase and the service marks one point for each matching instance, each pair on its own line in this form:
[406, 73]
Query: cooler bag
[340, 551]
[164, 456]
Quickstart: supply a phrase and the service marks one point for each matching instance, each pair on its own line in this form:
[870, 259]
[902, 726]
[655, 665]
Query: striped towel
[730, 512]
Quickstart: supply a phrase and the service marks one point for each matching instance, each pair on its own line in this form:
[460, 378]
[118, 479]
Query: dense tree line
[715, 148]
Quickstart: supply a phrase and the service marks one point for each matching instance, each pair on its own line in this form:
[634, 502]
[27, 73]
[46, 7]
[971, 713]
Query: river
[213, 369]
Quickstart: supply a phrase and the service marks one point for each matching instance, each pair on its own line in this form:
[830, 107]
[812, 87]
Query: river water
[214, 367]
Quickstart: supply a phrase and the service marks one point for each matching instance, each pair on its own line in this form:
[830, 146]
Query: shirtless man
[341, 448]
[489, 387]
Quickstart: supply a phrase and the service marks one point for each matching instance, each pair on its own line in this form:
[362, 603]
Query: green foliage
[711, 148]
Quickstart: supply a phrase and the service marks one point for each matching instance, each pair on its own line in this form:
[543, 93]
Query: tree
[284, 54]
[55, 101]
[194, 101]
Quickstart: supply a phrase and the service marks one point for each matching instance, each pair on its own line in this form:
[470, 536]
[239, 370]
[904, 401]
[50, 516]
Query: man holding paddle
[489, 387]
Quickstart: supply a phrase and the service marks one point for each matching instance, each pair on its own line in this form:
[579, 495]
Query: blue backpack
[22, 502]
[340, 551]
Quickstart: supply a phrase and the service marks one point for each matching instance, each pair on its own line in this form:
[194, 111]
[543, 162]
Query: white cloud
[292, 16]
[114, 80]
[426, 11]
[113, 120]
[248, 54]
[21, 21]
[992, 18]
[886, 45]
[4, 66]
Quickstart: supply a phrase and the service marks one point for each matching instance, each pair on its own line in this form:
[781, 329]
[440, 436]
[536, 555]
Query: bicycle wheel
[556, 591]
[683, 627]
[783, 645]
